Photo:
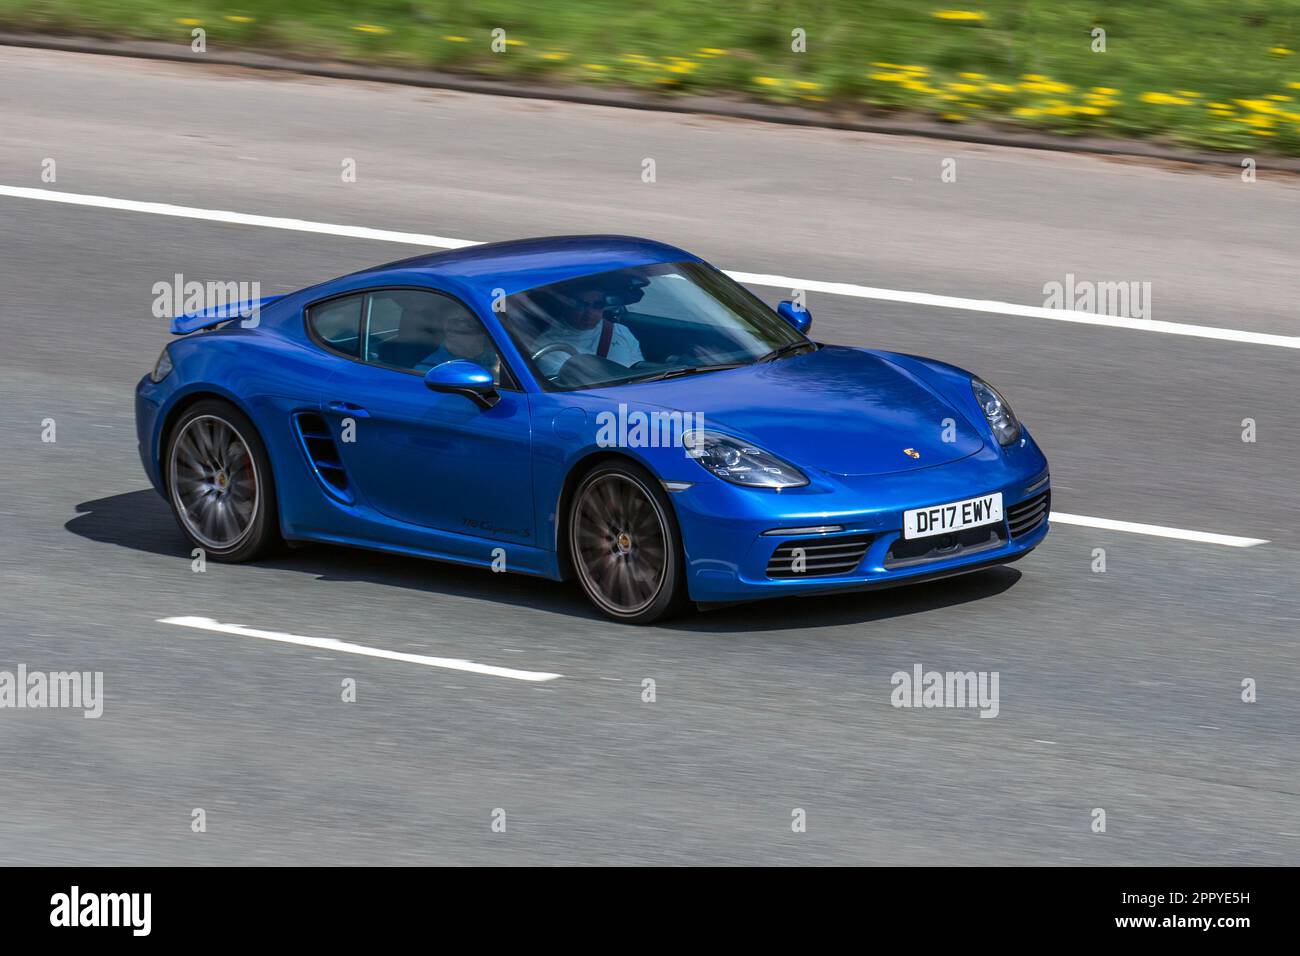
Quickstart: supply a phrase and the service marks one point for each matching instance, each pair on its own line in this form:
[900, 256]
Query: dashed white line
[1157, 531]
[750, 278]
[330, 644]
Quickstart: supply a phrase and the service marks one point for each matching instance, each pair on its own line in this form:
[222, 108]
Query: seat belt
[606, 338]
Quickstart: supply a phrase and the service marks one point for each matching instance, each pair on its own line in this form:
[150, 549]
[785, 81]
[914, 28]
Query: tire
[219, 483]
[625, 545]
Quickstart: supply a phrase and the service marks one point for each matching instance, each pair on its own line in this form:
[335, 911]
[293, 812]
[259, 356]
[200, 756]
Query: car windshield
[644, 323]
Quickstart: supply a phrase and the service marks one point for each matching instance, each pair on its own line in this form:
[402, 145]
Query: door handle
[349, 408]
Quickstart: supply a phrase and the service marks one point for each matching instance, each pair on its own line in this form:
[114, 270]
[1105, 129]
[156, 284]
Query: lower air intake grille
[1024, 517]
[817, 557]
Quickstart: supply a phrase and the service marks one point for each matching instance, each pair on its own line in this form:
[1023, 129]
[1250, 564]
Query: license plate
[954, 516]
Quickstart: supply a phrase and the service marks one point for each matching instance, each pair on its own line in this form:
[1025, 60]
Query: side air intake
[323, 454]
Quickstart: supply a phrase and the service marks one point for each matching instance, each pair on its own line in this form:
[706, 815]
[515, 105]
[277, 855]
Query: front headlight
[161, 368]
[1003, 421]
[740, 462]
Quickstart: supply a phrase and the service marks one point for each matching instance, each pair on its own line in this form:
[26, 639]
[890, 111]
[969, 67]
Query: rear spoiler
[219, 314]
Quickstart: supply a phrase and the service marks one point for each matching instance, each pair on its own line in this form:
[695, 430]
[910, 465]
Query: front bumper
[728, 557]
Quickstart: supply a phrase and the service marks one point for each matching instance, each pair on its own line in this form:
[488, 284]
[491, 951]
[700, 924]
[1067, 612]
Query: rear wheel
[625, 545]
[219, 482]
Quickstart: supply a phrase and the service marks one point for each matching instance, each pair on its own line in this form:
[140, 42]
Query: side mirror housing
[797, 316]
[460, 377]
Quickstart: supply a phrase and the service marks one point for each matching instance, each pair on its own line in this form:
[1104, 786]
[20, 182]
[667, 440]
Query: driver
[584, 327]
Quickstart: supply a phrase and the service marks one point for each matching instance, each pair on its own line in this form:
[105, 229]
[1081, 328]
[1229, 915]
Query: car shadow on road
[141, 521]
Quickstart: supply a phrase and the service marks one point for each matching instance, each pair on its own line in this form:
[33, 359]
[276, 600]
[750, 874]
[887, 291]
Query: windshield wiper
[785, 350]
[679, 372]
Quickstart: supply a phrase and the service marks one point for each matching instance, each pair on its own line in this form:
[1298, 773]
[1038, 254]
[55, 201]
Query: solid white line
[1157, 531]
[330, 644]
[1024, 311]
[750, 278]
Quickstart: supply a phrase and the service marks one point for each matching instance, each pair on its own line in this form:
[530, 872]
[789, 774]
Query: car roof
[521, 264]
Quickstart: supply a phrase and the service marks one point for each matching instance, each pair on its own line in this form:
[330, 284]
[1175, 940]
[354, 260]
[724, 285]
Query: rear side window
[337, 323]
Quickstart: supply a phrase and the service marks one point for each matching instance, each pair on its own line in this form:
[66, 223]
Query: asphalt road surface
[1119, 690]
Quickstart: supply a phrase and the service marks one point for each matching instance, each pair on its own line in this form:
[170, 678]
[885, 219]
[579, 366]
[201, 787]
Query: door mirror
[798, 316]
[460, 377]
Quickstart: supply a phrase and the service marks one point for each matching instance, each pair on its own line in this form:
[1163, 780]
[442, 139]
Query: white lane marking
[330, 644]
[750, 278]
[1025, 311]
[833, 288]
[1157, 531]
[235, 218]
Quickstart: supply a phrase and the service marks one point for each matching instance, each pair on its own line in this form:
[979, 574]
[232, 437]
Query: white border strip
[1156, 531]
[330, 644]
[749, 278]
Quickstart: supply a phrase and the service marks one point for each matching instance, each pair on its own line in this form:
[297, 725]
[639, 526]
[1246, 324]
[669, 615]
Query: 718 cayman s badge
[911, 453]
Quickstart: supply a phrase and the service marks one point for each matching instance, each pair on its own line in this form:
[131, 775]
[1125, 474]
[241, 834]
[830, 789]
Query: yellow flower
[1294, 86]
[1091, 110]
[900, 66]
[1259, 106]
[555, 56]
[972, 76]
[1025, 111]
[456, 39]
[516, 43]
[1046, 86]
[1280, 51]
[889, 77]
[598, 67]
[1262, 132]
[1105, 90]
[1261, 122]
[814, 99]
[767, 81]
[1034, 77]
[964, 87]
[968, 15]
[712, 51]
[369, 28]
[1280, 97]
[1164, 99]
[806, 85]
[952, 117]
[1002, 88]
[1190, 94]
[189, 22]
[240, 19]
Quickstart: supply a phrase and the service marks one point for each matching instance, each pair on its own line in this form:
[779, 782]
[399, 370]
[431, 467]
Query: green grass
[1200, 73]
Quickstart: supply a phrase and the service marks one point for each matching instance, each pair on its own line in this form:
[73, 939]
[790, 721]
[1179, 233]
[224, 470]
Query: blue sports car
[604, 408]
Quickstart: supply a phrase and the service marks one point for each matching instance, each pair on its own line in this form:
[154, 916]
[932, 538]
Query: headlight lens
[161, 368]
[740, 462]
[1003, 421]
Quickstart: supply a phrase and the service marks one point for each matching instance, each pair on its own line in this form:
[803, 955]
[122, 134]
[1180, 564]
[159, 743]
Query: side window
[413, 331]
[337, 323]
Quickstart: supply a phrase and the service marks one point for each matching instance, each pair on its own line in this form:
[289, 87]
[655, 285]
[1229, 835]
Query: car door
[440, 461]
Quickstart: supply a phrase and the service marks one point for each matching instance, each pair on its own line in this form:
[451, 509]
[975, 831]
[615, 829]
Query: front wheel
[625, 546]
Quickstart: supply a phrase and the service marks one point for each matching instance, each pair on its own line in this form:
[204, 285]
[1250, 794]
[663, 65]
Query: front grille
[818, 557]
[941, 547]
[1024, 517]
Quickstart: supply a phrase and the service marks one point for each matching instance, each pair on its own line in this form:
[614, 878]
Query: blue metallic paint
[437, 475]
